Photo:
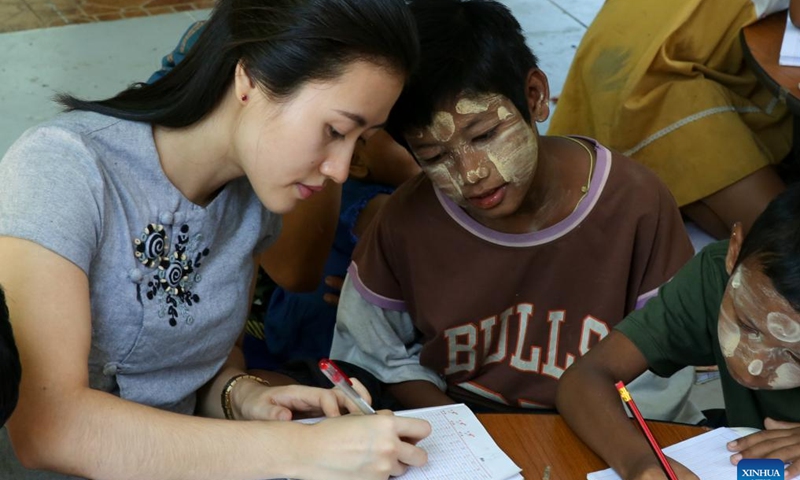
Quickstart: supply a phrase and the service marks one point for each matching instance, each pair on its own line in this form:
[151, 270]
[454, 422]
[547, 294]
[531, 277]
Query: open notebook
[706, 455]
[458, 447]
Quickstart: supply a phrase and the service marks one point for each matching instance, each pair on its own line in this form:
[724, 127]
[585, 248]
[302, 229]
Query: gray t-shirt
[169, 280]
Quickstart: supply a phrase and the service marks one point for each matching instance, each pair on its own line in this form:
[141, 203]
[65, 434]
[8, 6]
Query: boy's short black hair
[475, 46]
[774, 241]
[10, 369]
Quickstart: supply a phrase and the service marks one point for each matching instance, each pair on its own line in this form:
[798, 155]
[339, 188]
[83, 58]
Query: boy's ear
[735, 245]
[537, 91]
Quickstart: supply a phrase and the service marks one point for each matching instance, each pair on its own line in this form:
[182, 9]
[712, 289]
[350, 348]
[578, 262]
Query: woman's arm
[59, 415]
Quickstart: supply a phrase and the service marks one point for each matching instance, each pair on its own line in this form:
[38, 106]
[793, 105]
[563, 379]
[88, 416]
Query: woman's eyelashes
[334, 134]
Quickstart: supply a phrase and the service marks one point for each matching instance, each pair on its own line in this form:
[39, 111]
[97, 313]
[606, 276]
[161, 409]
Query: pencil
[626, 397]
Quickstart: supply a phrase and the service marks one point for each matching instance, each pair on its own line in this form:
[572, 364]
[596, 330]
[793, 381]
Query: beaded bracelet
[227, 409]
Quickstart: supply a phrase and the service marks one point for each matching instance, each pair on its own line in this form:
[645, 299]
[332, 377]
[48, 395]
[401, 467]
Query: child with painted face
[485, 277]
[129, 229]
[736, 305]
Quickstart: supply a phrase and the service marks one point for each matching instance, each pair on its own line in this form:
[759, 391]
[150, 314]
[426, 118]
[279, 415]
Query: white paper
[790, 47]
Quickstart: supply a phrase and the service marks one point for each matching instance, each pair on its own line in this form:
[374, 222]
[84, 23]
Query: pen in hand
[344, 384]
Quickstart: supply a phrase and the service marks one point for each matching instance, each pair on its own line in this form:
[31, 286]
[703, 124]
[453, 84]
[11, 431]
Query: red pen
[626, 397]
[343, 382]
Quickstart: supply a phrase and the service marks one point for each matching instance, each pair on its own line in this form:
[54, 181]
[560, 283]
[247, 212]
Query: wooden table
[761, 45]
[535, 441]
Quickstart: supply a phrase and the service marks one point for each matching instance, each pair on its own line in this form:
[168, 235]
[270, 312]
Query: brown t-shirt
[502, 315]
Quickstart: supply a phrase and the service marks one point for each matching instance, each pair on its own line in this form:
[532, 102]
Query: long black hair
[282, 44]
[475, 46]
[774, 241]
[10, 370]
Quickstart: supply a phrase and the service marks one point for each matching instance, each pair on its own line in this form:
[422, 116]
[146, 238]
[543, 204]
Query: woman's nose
[337, 166]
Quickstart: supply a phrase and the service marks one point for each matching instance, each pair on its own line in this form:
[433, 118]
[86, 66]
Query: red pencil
[626, 397]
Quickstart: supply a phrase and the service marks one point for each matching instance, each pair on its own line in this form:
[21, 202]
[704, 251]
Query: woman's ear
[537, 91]
[734, 246]
[243, 84]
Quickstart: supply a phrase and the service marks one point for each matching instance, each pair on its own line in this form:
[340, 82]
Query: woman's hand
[371, 447]
[780, 440]
[254, 401]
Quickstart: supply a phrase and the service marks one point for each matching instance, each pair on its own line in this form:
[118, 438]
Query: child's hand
[653, 471]
[780, 440]
[335, 283]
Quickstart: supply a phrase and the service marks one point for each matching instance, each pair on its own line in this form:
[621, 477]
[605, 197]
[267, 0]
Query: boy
[482, 280]
[735, 305]
[10, 370]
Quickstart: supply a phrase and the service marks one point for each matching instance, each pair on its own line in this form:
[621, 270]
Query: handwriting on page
[459, 447]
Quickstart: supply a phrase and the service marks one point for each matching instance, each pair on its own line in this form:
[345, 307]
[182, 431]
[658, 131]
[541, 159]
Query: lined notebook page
[459, 448]
[705, 455]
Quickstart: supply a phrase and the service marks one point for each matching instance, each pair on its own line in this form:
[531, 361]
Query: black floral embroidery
[152, 245]
[172, 283]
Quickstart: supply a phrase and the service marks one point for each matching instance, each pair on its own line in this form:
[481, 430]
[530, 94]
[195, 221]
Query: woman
[126, 227]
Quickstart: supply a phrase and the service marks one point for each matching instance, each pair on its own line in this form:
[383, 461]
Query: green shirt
[679, 328]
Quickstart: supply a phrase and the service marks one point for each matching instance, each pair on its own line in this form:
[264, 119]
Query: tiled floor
[18, 15]
[96, 60]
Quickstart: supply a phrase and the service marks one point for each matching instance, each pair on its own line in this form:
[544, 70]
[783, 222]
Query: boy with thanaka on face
[736, 305]
[485, 277]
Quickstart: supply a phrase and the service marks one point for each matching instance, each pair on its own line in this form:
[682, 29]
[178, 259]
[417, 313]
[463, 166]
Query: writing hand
[371, 447]
[335, 283]
[259, 402]
[780, 440]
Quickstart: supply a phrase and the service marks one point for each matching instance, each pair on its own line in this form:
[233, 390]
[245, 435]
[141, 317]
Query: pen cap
[332, 372]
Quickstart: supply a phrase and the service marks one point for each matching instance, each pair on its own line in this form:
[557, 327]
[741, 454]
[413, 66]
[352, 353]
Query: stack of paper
[790, 48]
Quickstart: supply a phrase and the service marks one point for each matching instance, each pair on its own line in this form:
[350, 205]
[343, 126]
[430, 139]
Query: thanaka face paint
[759, 332]
[442, 127]
[477, 147]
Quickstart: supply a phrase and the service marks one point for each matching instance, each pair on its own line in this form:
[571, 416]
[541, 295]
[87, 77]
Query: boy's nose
[474, 166]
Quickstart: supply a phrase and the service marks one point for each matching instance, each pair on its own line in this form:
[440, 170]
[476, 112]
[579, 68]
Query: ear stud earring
[244, 97]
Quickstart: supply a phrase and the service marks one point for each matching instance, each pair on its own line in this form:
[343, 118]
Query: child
[483, 279]
[736, 305]
[10, 370]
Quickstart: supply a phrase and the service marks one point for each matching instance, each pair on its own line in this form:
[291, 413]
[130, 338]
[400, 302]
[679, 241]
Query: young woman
[128, 229]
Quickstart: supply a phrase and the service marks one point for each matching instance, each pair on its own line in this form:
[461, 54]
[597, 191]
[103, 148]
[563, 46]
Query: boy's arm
[418, 394]
[384, 343]
[591, 405]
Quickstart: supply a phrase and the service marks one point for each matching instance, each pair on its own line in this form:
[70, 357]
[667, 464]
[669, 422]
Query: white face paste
[736, 280]
[478, 174]
[443, 126]
[729, 336]
[441, 176]
[515, 153]
[468, 105]
[786, 376]
[503, 113]
[783, 327]
[755, 367]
